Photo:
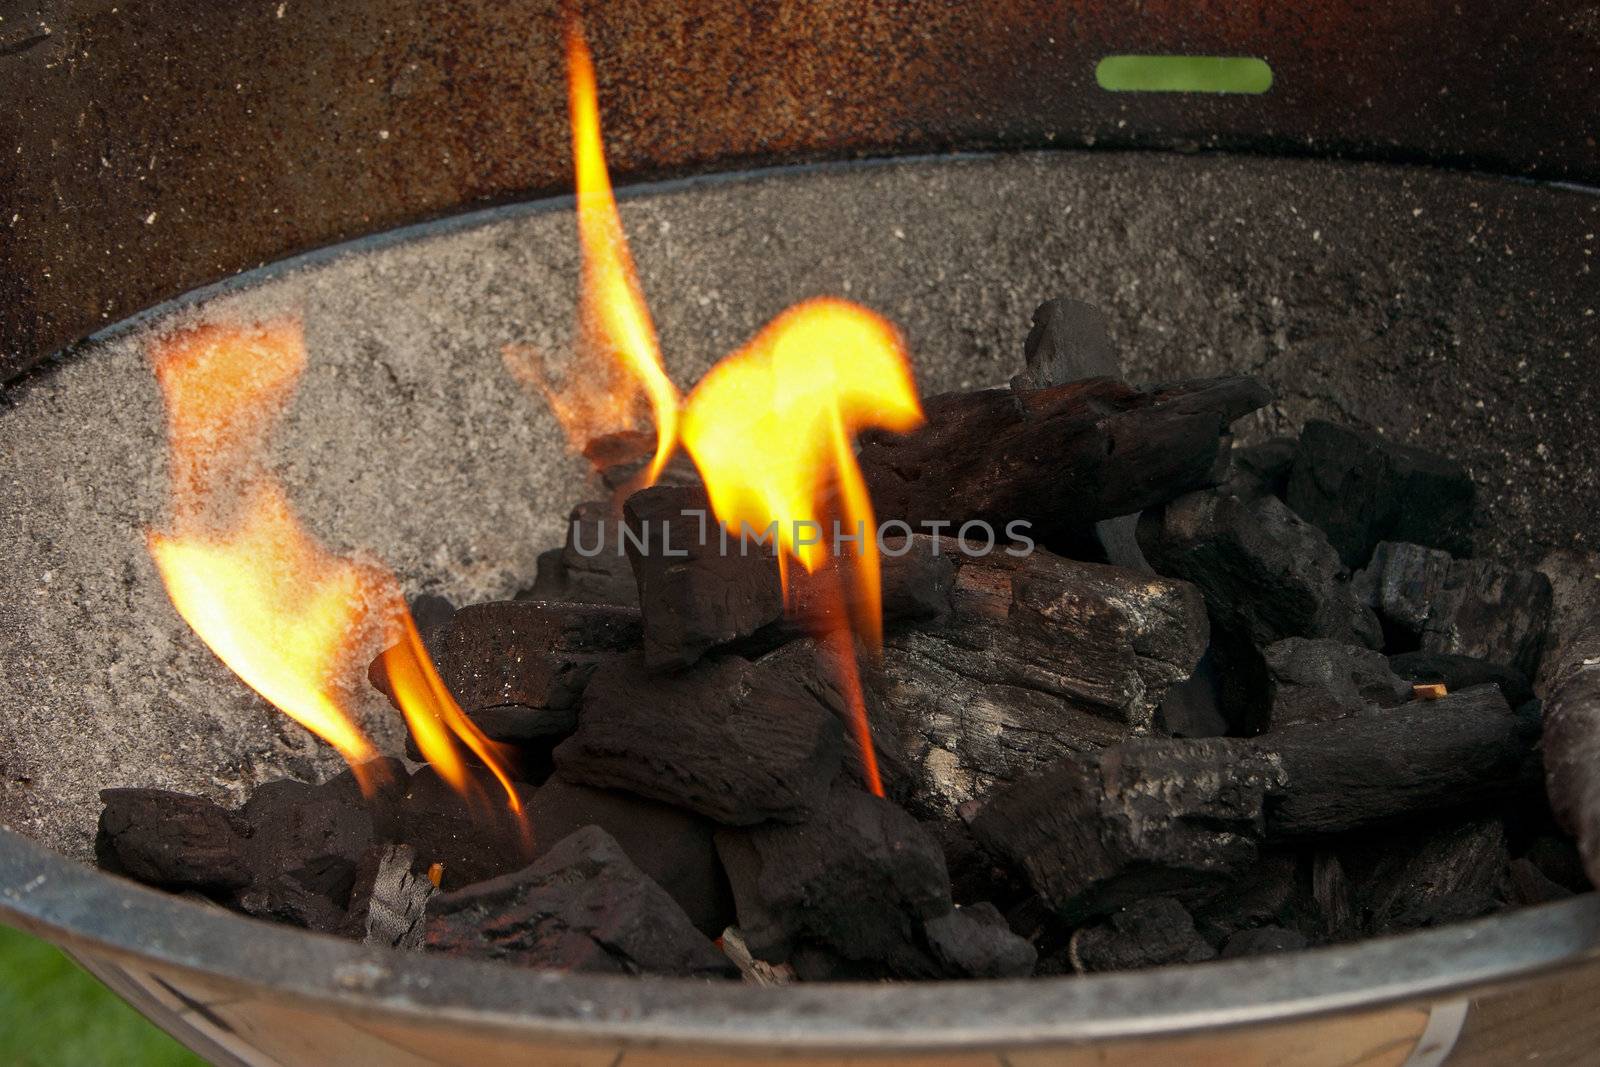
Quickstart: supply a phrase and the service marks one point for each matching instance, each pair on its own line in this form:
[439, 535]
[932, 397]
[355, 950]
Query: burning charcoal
[858, 879]
[1266, 575]
[172, 840]
[975, 942]
[621, 457]
[1467, 748]
[1059, 458]
[1462, 672]
[473, 837]
[1040, 657]
[1525, 884]
[1100, 830]
[727, 739]
[1262, 941]
[1320, 680]
[815, 666]
[1470, 607]
[1147, 933]
[1262, 469]
[518, 667]
[917, 577]
[1068, 342]
[582, 906]
[530, 653]
[671, 846]
[1193, 707]
[1425, 879]
[695, 593]
[1360, 489]
[389, 902]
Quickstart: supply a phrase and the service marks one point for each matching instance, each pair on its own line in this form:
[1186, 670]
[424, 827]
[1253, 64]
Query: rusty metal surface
[151, 148]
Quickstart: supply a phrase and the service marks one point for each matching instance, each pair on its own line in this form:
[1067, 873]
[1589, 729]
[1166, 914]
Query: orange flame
[622, 357]
[283, 613]
[770, 429]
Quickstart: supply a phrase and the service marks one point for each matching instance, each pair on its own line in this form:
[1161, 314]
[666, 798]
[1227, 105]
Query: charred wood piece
[1265, 572]
[583, 906]
[473, 836]
[1059, 458]
[1317, 680]
[1361, 488]
[1262, 469]
[1572, 733]
[1467, 748]
[975, 942]
[1100, 831]
[591, 567]
[1468, 607]
[697, 588]
[1429, 878]
[1174, 817]
[1039, 657]
[728, 739]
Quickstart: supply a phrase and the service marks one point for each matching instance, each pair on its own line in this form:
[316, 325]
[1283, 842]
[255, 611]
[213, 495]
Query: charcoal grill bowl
[274, 130]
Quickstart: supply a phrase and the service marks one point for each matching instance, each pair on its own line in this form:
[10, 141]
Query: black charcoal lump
[1317, 680]
[672, 846]
[172, 839]
[1068, 341]
[858, 879]
[1361, 488]
[1463, 606]
[737, 741]
[583, 906]
[1264, 571]
[1143, 934]
[1101, 830]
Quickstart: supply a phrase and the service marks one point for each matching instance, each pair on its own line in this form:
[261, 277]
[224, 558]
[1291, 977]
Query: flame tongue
[620, 358]
[770, 429]
[288, 617]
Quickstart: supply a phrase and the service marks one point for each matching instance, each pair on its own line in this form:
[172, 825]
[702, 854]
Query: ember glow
[291, 619]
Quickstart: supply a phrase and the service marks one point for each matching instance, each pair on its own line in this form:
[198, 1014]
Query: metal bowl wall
[158, 149]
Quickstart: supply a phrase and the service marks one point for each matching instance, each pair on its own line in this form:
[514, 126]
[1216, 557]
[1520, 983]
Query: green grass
[53, 1014]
